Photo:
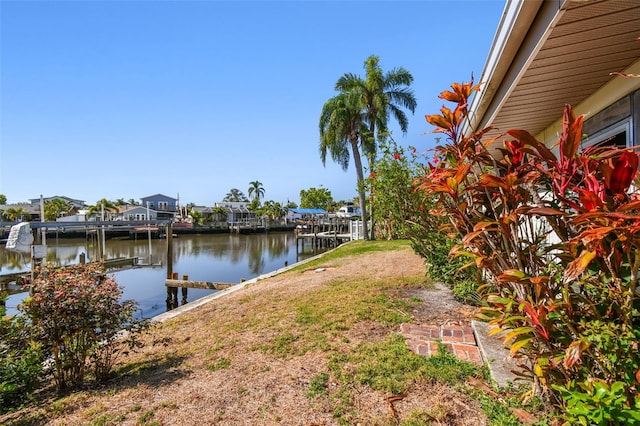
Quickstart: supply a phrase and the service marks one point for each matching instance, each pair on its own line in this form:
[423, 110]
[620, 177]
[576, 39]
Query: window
[163, 205]
[618, 135]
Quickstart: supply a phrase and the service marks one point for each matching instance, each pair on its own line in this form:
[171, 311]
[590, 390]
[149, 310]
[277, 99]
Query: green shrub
[403, 212]
[20, 361]
[593, 402]
[81, 321]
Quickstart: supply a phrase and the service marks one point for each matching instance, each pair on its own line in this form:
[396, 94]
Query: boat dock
[326, 235]
[320, 240]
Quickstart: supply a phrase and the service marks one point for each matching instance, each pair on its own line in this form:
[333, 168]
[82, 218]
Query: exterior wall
[137, 213]
[165, 207]
[237, 211]
[160, 203]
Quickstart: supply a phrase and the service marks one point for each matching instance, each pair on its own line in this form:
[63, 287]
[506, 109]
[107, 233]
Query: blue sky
[125, 99]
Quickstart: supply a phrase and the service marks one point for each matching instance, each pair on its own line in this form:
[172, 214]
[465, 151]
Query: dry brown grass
[251, 358]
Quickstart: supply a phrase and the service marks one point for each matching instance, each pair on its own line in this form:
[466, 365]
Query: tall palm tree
[383, 95]
[256, 190]
[342, 127]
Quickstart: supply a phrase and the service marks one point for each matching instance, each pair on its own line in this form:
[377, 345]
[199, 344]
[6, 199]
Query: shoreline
[236, 287]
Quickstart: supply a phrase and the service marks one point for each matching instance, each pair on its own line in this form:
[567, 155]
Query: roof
[128, 208]
[159, 196]
[26, 207]
[548, 54]
[78, 203]
[308, 211]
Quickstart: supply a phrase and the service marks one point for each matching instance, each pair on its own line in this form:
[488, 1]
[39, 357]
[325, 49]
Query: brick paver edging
[458, 339]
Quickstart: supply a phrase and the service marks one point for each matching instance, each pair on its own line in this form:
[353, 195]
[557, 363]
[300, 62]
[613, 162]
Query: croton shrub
[556, 232]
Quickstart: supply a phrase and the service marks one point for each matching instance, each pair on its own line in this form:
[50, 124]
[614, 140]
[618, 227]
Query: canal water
[212, 257]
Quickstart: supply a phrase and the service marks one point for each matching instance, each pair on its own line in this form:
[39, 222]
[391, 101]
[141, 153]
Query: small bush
[593, 402]
[81, 321]
[20, 362]
[401, 211]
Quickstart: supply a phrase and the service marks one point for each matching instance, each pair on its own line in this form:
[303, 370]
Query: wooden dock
[173, 284]
[170, 282]
[246, 227]
[320, 240]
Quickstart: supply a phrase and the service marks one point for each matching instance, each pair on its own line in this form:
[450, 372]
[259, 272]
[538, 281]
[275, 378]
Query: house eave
[548, 54]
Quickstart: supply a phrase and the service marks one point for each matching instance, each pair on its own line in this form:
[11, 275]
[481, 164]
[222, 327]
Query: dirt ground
[175, 379]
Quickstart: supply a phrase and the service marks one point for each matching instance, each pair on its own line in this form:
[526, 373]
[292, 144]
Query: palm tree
[343, 127]
[55, 208]
[196, 217]
[235, 195]
[256, 189]
[383, 94]
[101, 206]
[12, 214]
[218, 213]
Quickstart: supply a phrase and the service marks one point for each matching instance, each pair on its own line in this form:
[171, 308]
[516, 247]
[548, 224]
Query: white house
[237, 211]
[129, 213]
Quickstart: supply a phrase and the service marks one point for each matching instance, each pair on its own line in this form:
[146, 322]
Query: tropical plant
[14, 213]
[315, 198]
[103, 209]
[20, 360]
[196, 217]
[382, 95]
[78, 315]
[219, 214]
[3, 199]
[55, 208]
[274, 210]
[256, 191]
[235, 195]
[402, 211]
[342, 123]
[558, 237]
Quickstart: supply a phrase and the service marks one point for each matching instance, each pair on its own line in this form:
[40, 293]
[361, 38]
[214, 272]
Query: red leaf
[529, 139]
[544, 211]
[588, 199]
[522, 415]
[574, 353]
[571, 133]
[623, 172]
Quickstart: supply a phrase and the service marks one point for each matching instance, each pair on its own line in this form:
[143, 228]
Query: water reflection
[217, 257]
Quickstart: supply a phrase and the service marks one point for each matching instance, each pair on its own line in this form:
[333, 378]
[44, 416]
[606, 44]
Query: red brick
[432, 332]
[467, 353]
[457, 339]
[452, 334]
